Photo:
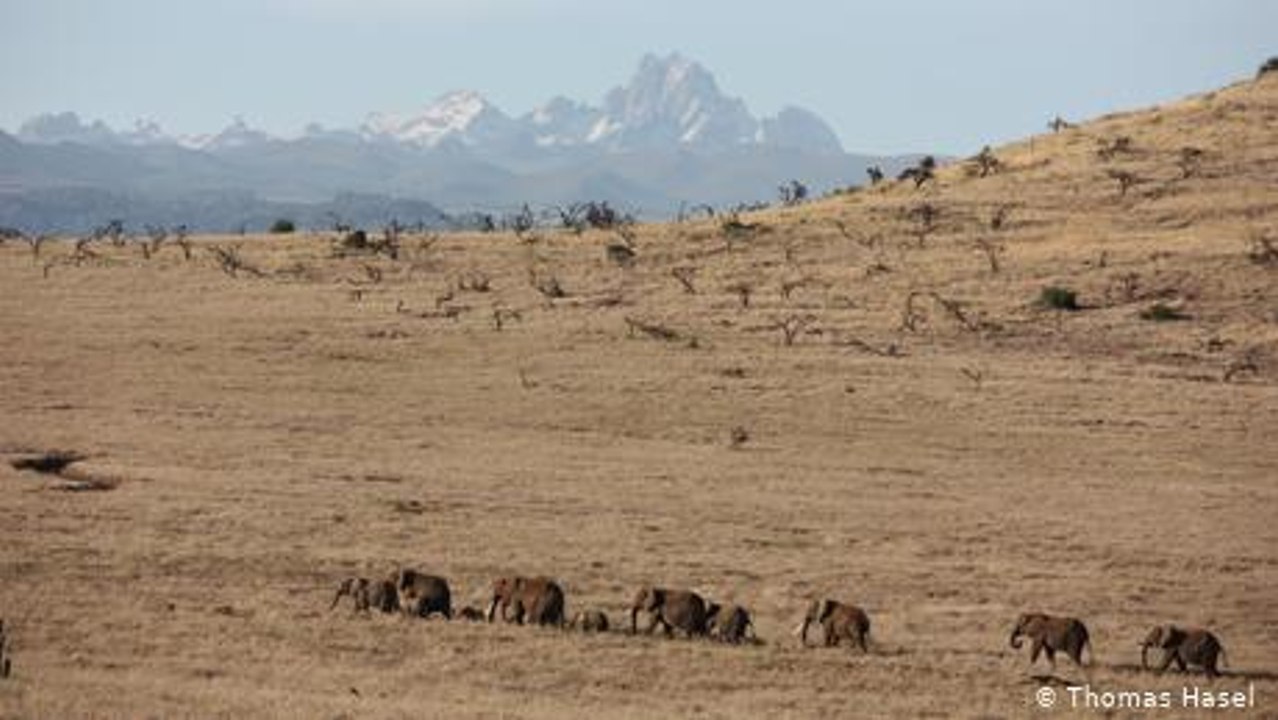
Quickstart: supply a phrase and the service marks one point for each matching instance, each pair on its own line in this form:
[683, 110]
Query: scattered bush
[283, 226]
[1269, 66]
[1159, 312]
[1055, 297]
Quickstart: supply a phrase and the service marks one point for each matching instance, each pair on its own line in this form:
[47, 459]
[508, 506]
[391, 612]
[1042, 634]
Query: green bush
[283, 226]
[1158, 312]
[1058, 298]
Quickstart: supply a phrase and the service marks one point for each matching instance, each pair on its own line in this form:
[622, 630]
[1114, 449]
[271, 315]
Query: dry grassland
[252, 440]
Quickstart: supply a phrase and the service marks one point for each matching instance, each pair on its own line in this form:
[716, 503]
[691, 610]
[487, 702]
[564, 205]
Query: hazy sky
[889, 75]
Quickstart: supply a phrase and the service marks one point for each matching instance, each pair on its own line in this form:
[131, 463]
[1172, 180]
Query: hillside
[932, 444]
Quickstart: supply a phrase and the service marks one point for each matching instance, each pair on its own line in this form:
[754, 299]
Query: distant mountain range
[666, 138]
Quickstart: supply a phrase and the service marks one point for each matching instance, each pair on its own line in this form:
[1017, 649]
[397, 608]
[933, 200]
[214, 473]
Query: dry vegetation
[856, 398]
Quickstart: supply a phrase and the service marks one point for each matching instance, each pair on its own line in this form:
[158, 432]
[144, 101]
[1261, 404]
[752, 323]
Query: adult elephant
[422, 595]
[1049, 634]
[671, 609]
[1185, 647]
[839, 621]
[536, 601]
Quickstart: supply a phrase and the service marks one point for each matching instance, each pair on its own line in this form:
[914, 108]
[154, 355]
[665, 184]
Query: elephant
[839, 621]
[1185, 647]
[1050, 634]
[590, 621]
[537, 601]
[729, 623]
[471, 613]
[379, 595]
[422, 595]
[671, 609]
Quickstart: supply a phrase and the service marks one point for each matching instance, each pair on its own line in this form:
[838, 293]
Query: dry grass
[946, 465]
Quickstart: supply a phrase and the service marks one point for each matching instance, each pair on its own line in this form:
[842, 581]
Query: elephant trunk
[1015, 640]
[1144, 652]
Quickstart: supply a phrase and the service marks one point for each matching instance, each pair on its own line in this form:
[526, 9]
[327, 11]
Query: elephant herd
[541, 601]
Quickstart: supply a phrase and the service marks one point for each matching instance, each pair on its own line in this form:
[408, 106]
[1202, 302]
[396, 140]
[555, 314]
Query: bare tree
[876, 174]
[1108, 149]
[652, 330]
[922, 172]
[502, 315]
[925, 216]
[999, 219]
[1058, 124]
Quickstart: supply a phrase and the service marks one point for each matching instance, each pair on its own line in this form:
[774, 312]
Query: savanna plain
[867, 397]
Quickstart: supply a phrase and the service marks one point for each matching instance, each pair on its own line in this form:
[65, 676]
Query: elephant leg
[653, 620]
[1181, 665]
[861, 643]
[1168, 657]
[1051, 656]
[1035, 649]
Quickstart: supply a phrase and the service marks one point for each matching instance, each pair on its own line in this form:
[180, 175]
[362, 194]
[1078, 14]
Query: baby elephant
[1049, 634]
[470, 613]
[1185, 647]
[366, 594]
[729, 623]
[839, 621]
[590, 621]
[422, 595]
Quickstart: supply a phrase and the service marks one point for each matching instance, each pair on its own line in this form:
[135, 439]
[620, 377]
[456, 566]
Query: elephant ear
[656, 598]
[823, 612]
[1172, 637]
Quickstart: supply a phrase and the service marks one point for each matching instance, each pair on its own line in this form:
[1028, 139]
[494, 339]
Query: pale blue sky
[925, 75]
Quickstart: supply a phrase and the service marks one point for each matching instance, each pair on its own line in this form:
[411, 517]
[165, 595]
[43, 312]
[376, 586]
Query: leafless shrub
[743, 291]
[924, 216]
[985, 163]
[156, 235]
[792, 193]
[474, 281]
[503, 315]
[652, 330]
[1263, 249]
[791, 325]
[1058, 124]
[924, 171]
[1248, 362]
[1268, 67]
[875, 174]
[868, 242]
[521, 222]
[230, 262]
[976, 375]
[738, 436]
[889, 350]
[789, 286]
[1109, 148]
[912, 314]
[621, 254]
[548, 285]
[52, 462]
[113, 230]
[181, 237]
[1189, 161]
[37, 242]
[1125, 180]
[993, 251]
[732, 227]
[998, 220]
[685, 275]
[6, 663]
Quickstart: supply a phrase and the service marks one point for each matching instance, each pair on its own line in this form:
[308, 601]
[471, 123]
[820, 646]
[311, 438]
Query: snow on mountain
[670, 102]
[464, 116]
